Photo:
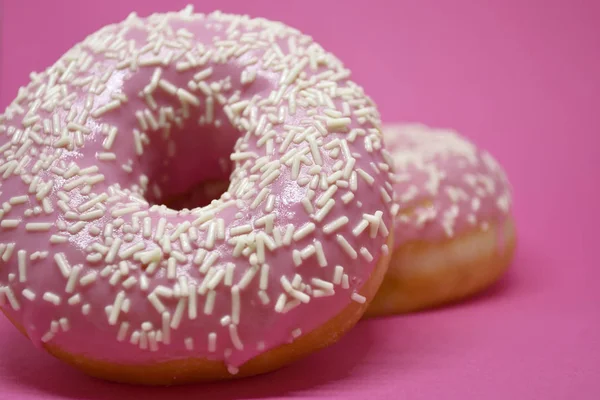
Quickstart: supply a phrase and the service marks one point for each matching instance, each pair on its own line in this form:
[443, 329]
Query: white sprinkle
[115, 278]
[166, 328]
[18, 200]
[164, 291]
[63, 265]
[74, 300]
[297, 257]
[240, 230]
[212, 342]
[326, 196]
[160, 229]
[72, 281]
[76, 227]
[291, 305]
[92, 202]
[320, 254]
[186, 97]
[308, 207]
[141, 120]
[205, 73]
[22, 261]
[315, 152]
[189, 343]
[335, 225]
[211, 236]
[304, 231]
[216, 279]
[235, 338]
[113, 250]
[264, 297]
[51, 298]
[122, 334]
[116, 308]
[280, 304]
[129, 282]
[345, 282]
[322, 213]
[226, 320]
[336, 176]
[270, 178]
[14, 303]
[106, 156]
[354, 181]
[208, 262]
[155, 301]
[28, 294]
[346, 246]
[150, 256]
[287, 237]
[368, 178]
[295, 72]
[125, 210]
[199, 257]
[110, 139]
[135, 338]
[358, 298]
[385, 195]
[181, 228]
[229, 274]
[132, 250]
[144, 282]
[10, 223]
[264, 277]
[210, 302]
[270, 203]
[235, 304]
[88, 278]
[192, 302]
[177, 317]
[366, 254]
[261, 196]
[360, 227]
[7, 251]
[137, 140]
[322, 284]
[106, 108]
[147, 227]
[171, 268]
[297, 281]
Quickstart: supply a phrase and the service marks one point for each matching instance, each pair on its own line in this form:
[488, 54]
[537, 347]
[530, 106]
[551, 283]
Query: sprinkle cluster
[444, 184]
[284, 249]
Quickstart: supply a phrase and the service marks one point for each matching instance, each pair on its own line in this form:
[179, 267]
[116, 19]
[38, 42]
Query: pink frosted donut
[454, 234]
[99, 272]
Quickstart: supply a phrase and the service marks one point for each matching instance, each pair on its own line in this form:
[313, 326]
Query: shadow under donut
[27, 369]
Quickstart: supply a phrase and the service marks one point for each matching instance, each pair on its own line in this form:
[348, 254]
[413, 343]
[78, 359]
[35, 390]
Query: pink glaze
[444, 184]
[97, 138]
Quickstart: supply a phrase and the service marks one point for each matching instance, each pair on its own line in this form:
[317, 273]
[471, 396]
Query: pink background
[520, 78]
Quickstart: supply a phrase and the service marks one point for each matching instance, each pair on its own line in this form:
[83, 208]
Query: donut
[99, 271]
[454, 234]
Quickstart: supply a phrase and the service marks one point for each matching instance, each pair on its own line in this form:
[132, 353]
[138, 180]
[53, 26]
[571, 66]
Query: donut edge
[187, 371]
[408, 287]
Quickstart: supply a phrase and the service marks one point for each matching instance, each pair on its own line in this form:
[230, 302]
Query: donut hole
[198, 196]
[185, 144]
[185, 172]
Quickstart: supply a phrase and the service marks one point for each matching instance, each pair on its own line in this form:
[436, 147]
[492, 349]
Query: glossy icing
[444, 184]
[147, 108]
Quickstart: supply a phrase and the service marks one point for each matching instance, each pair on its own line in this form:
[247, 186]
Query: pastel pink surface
[518, 78]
